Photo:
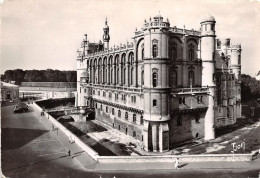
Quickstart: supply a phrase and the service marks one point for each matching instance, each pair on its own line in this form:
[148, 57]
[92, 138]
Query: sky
[42, 34]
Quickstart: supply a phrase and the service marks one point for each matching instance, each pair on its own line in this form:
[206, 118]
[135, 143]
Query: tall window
[124, 76]
[174, 51]
[113, 111]
[117, 80]
[191, 78]
[179, 121]
[142, 53]
[155, 50]
[134, 118]
[119, 113]
[154, 103]
[174, 79]
[142, 77]
[155, 79]
[142, 120]
[131, 76]
[126, 115]
[191, 52]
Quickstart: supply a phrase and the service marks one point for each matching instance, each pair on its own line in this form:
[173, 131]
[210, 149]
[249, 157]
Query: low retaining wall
[146, 159]
[71, 135]
[171, 158]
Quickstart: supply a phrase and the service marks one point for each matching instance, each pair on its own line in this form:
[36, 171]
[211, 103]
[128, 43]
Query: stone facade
[167, 86]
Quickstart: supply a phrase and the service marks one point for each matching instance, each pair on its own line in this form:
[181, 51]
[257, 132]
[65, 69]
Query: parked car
[21, 107]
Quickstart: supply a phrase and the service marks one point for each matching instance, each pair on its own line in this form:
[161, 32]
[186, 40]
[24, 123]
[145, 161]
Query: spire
[106, 21]
[106, 36]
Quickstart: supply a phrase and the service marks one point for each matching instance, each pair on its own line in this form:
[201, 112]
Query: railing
[190, 90]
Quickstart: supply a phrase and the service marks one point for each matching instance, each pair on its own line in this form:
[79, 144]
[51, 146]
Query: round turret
[208, 18]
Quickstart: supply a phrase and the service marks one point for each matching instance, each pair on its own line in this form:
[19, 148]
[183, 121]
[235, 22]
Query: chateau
[167, 86]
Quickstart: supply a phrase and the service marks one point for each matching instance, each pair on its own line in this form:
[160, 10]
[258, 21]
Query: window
[154, 103]
[98, 93]
[155, 50]
[213, 27]
[110, 95]
[96, 105]
[197, 119]
[174, 78]
[181, 100]
[142, 78]
[141, 120]
[179, 121]
[126, 116]
[228, 112]
[119, 113]
[85, 90]
[104, 94]
[134, 118]
[199, 99]
[191, 78]
[113, 111]
[155, 79]
[106, 109]
[191, 52]
[131, 76]
[101, 107]
[134, 134]
[124, 76]
[142, 53]
[174, 51]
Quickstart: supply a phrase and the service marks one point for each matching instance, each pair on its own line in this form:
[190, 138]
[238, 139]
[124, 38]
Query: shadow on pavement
[31, 164]
[13, 138]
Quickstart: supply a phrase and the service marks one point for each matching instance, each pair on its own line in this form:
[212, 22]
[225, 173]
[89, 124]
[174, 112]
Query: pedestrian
[68, 154]
[176, 165]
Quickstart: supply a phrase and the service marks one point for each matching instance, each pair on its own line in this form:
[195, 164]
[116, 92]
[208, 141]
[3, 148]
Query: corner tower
[208, 69]
[106, 36]
[156, 89]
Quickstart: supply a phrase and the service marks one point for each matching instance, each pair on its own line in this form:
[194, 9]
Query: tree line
[49, 75]
[250, 87]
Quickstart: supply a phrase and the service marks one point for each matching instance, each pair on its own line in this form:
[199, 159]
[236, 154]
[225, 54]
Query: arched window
[191, 52]
[174, 79]
[155, 50]
[134, 134]
[141, 120]
[113, 111]
[111, 76]
[174, 51]
[134, 118]
[142, 53]
[119, 113]
[155, 79]
[117, 73]
[142, 77]
[191, 78]
[126, 115]
[131, 76]
[124, 76]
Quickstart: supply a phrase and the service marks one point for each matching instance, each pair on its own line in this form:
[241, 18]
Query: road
[30, 149]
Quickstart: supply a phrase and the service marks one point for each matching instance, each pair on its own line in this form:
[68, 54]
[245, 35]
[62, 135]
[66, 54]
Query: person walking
[176, 165]
[68, 154]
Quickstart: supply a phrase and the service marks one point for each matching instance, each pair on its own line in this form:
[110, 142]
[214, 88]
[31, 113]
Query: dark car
[21, 107]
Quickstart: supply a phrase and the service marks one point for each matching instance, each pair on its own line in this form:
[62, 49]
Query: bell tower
[106, 36]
